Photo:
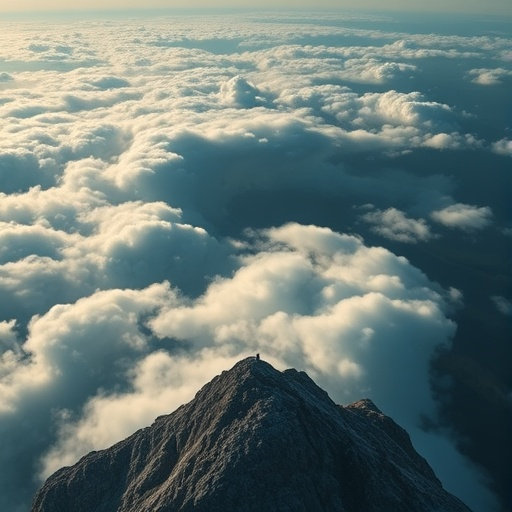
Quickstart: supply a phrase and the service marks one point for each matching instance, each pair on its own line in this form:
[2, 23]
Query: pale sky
[461, 6]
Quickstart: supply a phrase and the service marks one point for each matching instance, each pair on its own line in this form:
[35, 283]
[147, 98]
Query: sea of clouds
[136, 262]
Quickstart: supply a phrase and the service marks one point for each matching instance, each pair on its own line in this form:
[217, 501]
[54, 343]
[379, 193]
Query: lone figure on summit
[257, 356]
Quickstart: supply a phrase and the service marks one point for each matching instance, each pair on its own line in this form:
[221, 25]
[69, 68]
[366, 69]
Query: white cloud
[503, 147]
[449, 141]
[161, 384]
[395, 225]
[18, 242]
[464, 216]
[137, 244]
[72, 352]
[371, 110]
[396, 108]
[325, 302]
[485, 76]
[381, 121]
[81, 341]
[133, 244]
[238, 92]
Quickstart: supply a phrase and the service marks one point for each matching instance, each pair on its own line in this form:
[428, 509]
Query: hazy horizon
[492, 7]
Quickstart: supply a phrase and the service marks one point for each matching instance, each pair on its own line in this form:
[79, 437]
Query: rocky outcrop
[255, 439]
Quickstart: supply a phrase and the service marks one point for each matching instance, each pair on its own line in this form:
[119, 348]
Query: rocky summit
[255, 439]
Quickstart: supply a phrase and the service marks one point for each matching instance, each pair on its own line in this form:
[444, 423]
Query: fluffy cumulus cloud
[238, 92]
[383, 120]
[503, 147]
[395, 225]
[71, 352]
[323, 301]
[486, 76]
[464, 216]
[400, 109]
[142, 247]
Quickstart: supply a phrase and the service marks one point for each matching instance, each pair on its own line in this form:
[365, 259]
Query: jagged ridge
[255, 439]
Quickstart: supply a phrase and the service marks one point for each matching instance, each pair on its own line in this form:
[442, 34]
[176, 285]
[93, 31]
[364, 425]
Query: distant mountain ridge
[255, 439]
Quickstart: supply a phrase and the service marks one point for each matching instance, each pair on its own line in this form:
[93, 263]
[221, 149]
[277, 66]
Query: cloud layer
[149, 173]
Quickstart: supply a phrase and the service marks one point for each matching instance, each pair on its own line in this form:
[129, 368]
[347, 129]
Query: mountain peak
[253, 439]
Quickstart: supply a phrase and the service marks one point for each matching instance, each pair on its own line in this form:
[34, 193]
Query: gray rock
[255, 439]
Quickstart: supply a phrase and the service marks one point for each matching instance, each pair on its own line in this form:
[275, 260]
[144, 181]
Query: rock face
[255, 439]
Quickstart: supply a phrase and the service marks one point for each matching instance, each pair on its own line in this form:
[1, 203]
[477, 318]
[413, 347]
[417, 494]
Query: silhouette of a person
[257, 357]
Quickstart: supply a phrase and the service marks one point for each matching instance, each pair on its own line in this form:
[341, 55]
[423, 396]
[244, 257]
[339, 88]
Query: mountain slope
[255, 439]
